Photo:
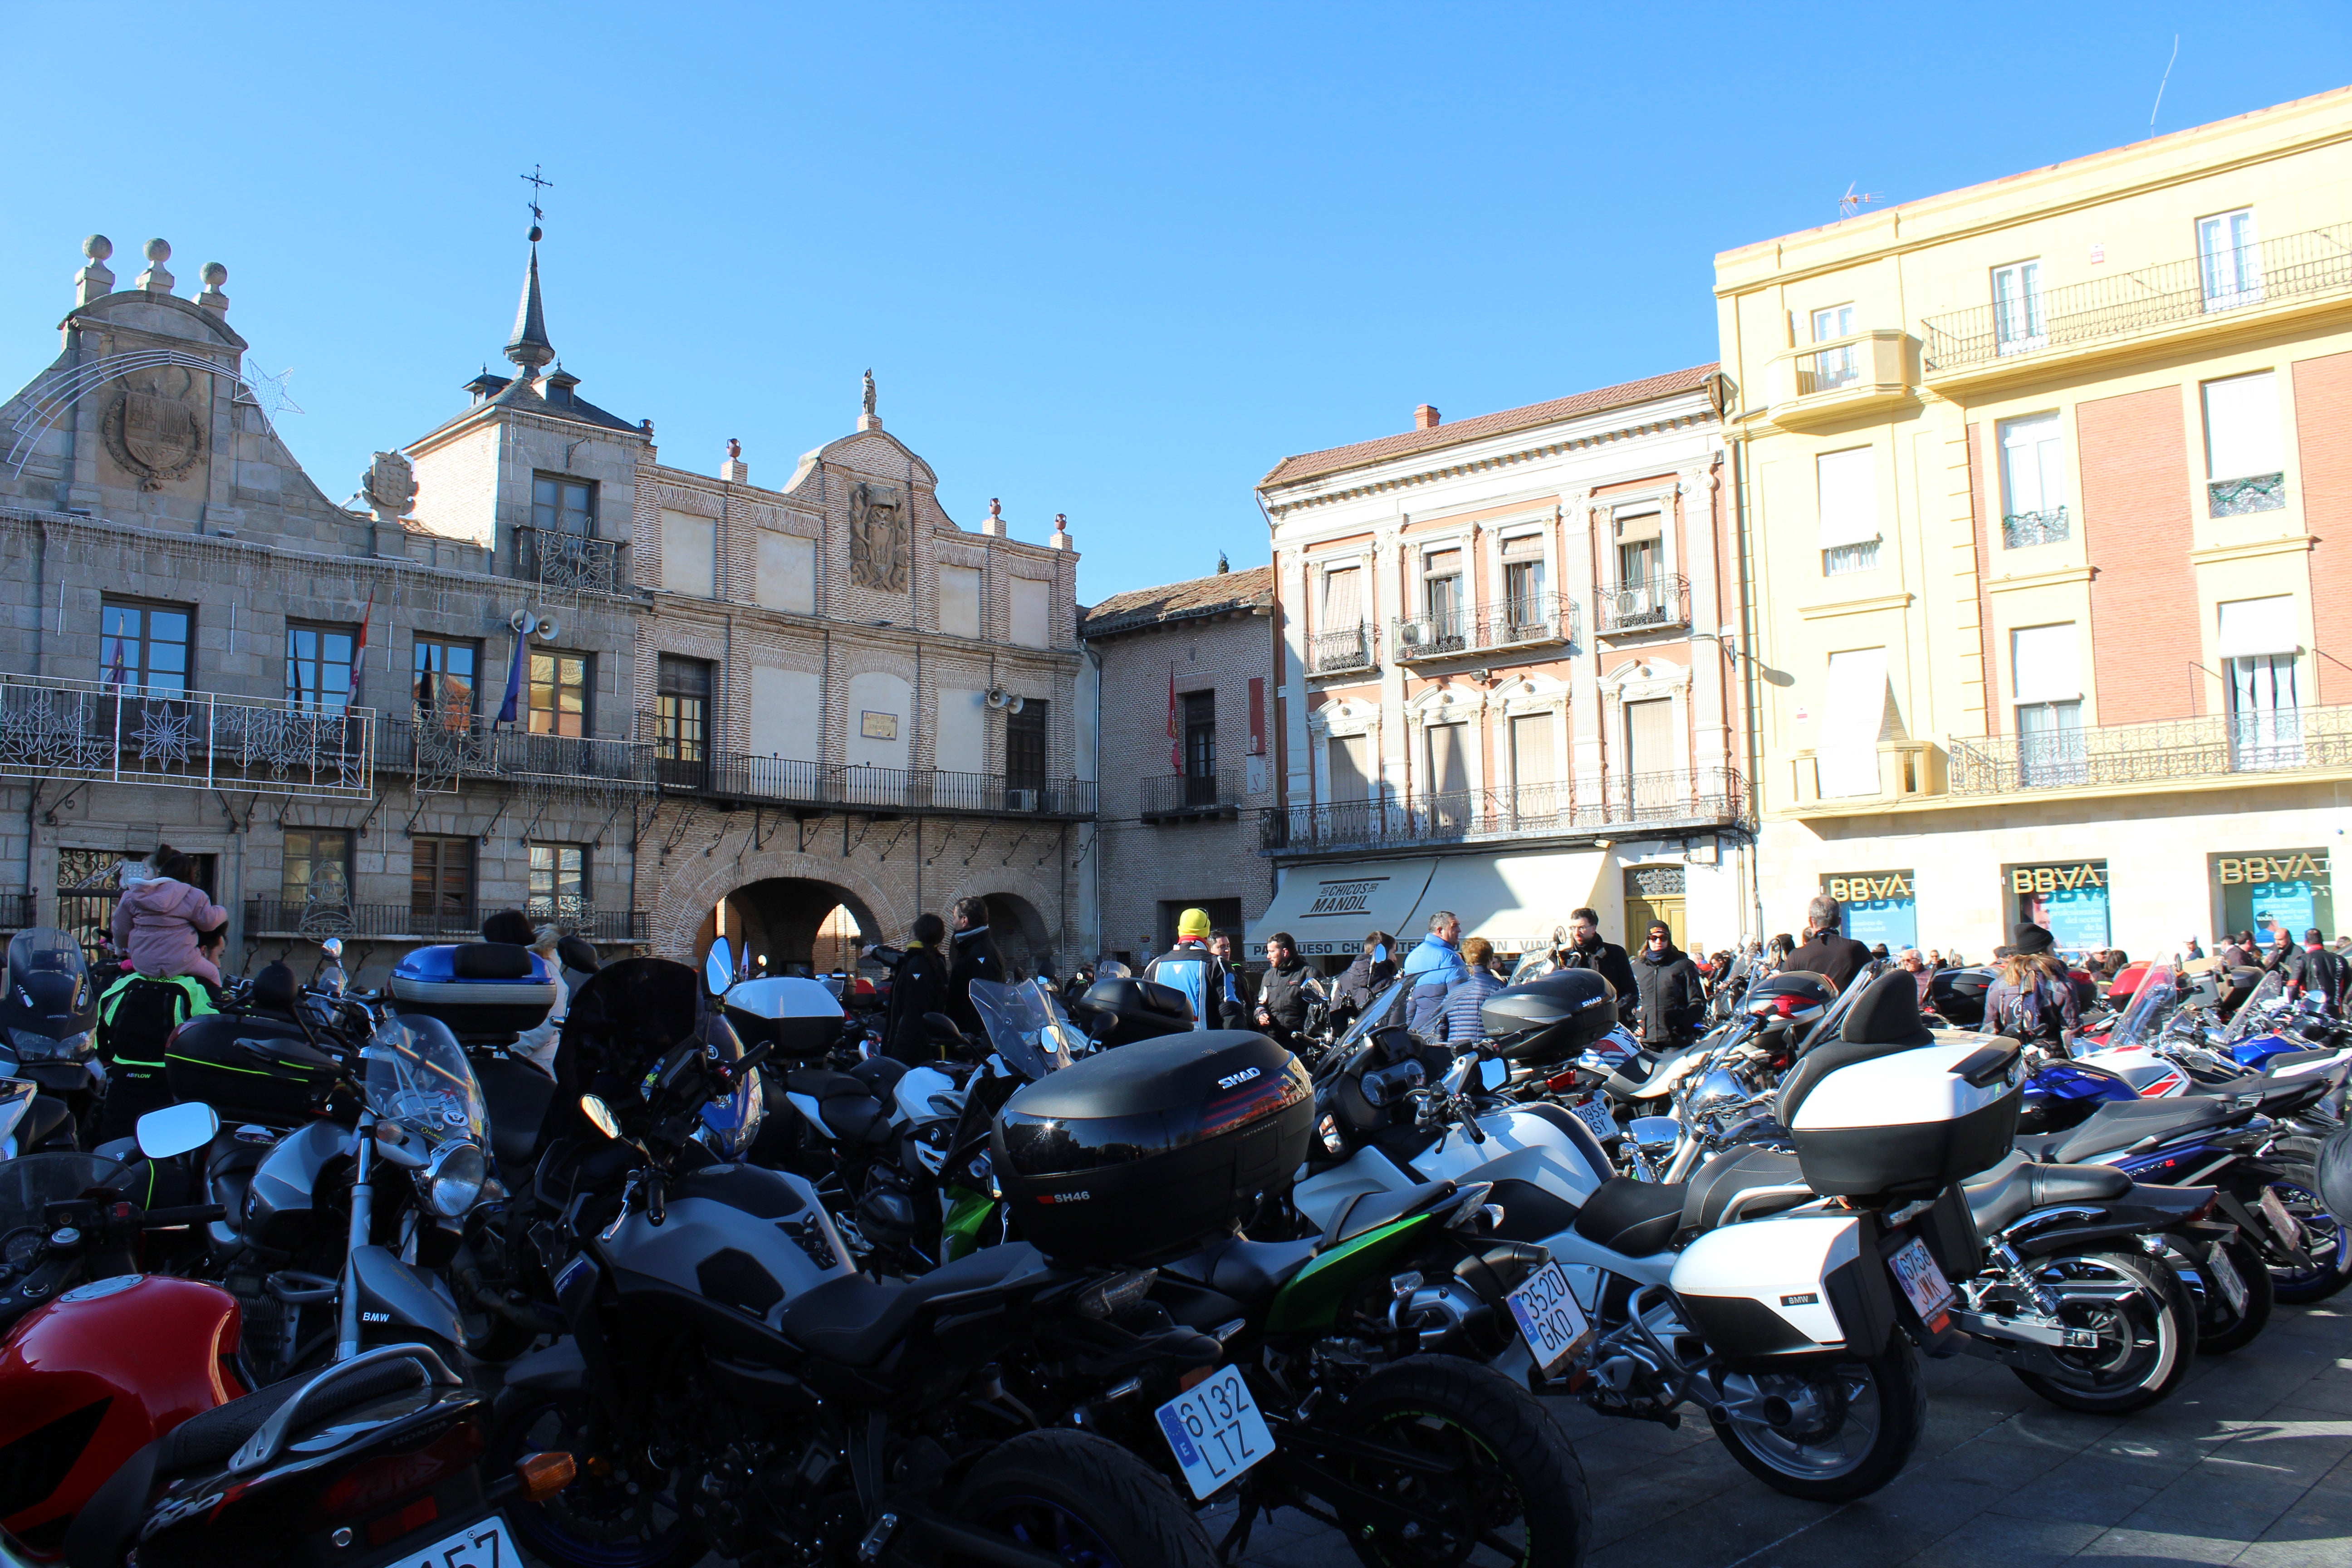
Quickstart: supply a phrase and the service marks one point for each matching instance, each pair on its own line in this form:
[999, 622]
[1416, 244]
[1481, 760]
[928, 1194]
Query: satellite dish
[523, 621]
[550, 630]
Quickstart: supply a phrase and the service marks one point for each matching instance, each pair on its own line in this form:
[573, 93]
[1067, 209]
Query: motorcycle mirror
[177, 1129]
[940, 1029]
[332, 947]
[718, 969]
[1656, 1134]
[598, 1112]
[1492, 1074]
[1458, 1075]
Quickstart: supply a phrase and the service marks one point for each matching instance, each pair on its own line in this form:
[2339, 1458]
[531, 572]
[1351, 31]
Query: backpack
[138, 1012]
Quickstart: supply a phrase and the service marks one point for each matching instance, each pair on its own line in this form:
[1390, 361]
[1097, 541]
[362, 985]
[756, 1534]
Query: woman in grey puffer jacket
[1458, 1024]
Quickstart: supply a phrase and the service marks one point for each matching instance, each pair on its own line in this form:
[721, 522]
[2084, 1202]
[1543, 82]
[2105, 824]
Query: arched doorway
[1020, 933]
[797, 924]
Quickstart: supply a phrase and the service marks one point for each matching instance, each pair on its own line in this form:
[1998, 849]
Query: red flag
[1175, 742]
[359, 653]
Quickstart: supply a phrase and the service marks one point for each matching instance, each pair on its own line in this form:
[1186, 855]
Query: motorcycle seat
[860, 1120]
[1739, 1170]
[517, 1093]
[2119, 1124]
[1246, 1270]
[2018, 1189]
[824, 1083]
[880, 1075]
[1368, 1212]
[855, 1319]
[1638, 1219]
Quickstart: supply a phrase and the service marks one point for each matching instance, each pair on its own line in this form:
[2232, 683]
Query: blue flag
[514, 685]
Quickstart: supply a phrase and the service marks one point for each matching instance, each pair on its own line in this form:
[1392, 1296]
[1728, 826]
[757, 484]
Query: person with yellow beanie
[1193, 969]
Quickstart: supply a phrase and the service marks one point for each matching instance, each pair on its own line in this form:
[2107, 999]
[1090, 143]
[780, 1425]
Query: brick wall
[2323, 418]
[2136, 528]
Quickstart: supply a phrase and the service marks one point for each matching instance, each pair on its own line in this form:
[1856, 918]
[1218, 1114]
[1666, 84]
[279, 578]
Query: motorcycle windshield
[1387, 1008]
[2151, 1005]
[2254, 1012]
[1827, 1027]
[417, 1075]
[49, 979]
[731, 1121]
[30, 1184]
[1025, 1026]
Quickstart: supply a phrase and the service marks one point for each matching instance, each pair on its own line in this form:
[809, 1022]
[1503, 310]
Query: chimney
[1425, 417]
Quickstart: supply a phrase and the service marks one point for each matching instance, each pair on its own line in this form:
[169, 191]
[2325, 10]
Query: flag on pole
[115, 676]
[513, 698]
[1175, 741]
[359, 654]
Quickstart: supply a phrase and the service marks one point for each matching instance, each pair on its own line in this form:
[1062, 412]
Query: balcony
[2248, 291]
[926, 791]
[2024, 530]
[570, 562]
[1844, 379]
[1537, 620]
[1900, 772]
[1440, 635]
[1341, 652]
[441, 753]
[1651, 605]
[108, 733]
[2236, 498]
[2245, 747]
[280, 919]
[1182, 798]
[1709, 798]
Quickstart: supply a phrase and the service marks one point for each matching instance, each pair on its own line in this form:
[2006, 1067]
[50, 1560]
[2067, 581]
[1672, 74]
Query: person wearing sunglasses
[1673, 996]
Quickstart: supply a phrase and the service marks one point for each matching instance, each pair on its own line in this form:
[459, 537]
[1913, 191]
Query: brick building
[2045, 482]
[527, 664]
[1186, 757]
[1507, 684]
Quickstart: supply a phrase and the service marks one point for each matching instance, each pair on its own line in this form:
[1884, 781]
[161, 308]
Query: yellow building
[2046, 496]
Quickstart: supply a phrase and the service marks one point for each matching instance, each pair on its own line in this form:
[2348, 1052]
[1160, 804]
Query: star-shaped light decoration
[166, 734]
[268, 393]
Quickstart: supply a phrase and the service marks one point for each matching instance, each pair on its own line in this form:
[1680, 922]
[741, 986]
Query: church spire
[528, 347]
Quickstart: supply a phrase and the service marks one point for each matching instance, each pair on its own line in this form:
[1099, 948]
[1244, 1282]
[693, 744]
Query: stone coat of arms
[155, 429]
[878, 537]
[391, 484]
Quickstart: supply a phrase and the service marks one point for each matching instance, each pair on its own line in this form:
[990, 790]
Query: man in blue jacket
[1191, 968]
[1433, 968]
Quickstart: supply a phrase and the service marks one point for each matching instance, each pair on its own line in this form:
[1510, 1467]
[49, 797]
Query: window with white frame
[2045, 673]
[2245, 460]
[1848, 483]
[1853, 713]
[2257, 646]
[1341, 640]
[2017, 307]
[1834, 368]
[2230, 259]
[1526, 605]
[1443, 599]
[2032, 482]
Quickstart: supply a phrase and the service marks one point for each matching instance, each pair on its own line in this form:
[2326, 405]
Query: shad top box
[487, 992]
[1148, 1150]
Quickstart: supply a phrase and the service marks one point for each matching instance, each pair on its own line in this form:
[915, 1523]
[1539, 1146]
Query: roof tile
[1180, 601]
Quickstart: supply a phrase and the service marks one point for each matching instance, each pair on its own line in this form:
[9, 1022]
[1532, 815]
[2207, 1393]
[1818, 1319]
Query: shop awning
[1515, 902]
[1330, 908]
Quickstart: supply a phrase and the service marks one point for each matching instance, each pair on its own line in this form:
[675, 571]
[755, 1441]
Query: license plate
[2225, 1274]
[484, 1543]
[2290, 1229]
[1547, 1315]
[1922, 1281]
[1594, 1114]
[1215, 1430]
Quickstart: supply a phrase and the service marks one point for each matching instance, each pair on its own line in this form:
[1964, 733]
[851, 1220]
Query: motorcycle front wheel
[1827, 1433]
[1505, 1487]
[2327, 1240]
[614, 1514]
[2146, 1332]
[1084, 1500]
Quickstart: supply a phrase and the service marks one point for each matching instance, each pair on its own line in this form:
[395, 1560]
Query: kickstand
[1236, 1539]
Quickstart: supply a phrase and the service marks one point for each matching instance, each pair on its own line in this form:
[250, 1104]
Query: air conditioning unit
[1020, 799]
[1413, 634]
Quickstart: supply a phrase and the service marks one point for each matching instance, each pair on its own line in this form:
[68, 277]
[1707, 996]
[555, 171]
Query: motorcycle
[48, 1023]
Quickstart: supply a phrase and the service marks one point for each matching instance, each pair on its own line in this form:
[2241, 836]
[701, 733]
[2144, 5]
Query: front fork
[347, 1341]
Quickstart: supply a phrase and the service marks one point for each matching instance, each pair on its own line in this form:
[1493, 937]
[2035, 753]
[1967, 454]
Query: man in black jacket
[1282, 993]
[919, 984]
[1585, 950]
[2316, 972]
[976, 958]
[1673, 1000]
[1368, 975]
[1826, 952]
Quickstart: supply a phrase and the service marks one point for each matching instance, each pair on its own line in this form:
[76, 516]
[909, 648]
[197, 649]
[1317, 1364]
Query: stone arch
[777, 918]
[1021, 934]
[683, 914]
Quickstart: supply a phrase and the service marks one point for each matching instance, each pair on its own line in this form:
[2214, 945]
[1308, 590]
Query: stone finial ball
[98, 247]
[214, 274]
[159, 250]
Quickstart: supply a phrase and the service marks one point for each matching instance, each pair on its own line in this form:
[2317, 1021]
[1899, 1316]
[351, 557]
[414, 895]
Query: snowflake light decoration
[166, 734]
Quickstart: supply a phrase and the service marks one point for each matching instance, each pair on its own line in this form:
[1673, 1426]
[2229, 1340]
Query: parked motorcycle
[48, 1025]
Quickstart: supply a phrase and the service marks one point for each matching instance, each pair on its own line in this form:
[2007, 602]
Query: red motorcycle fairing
[93, 1377]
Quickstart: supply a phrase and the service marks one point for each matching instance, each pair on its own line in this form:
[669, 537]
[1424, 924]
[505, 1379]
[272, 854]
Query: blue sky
[1111, 260]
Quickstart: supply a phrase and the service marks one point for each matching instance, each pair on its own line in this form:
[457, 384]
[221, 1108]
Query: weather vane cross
[537, 186]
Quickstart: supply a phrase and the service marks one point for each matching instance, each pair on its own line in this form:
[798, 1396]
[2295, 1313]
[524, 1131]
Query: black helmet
[1567, 1011]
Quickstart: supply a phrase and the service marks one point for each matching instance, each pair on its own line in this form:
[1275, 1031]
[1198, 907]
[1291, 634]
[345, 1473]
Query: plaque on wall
[878, 726]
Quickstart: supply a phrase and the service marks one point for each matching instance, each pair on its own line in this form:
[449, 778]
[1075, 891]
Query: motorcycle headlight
[32, 1045]
[454, 1178]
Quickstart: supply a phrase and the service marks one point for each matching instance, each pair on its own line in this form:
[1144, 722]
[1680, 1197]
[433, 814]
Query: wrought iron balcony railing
[1645, 604]
[1431, 637]
[937, 791]
[115, 733]
[1176, 795]
[2235, 498]
[2024, 530]
[15, 910]
[1527, 621]
[318, 918]
[2219, 745]
[1706, 797]
[1328, 653]
[555, 559]
[445, 750]
[2296, 266]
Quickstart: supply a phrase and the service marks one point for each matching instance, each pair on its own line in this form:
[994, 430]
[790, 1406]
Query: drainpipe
[1093, 656]
[1751, 702]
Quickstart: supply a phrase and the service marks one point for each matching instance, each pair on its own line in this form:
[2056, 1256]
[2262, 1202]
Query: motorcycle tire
[2327, 1237]
[2221, 1328]
[1083, 1498]
[2162, 1322]
[1887, 1388]
[1525, 1475]
[596, 1522]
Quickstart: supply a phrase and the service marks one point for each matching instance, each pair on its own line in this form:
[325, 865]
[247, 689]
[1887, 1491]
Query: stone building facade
[527, 664]
[1187, 756]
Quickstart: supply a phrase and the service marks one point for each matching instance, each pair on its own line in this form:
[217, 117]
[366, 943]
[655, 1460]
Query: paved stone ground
[2250, 1462]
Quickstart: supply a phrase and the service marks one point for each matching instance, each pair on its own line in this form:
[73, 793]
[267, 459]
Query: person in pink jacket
[158, 923]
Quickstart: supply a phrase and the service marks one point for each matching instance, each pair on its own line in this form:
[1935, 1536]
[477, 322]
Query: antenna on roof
[1853, 201]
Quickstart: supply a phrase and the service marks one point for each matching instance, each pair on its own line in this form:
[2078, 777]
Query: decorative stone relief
[878, 537]
[154, 427]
